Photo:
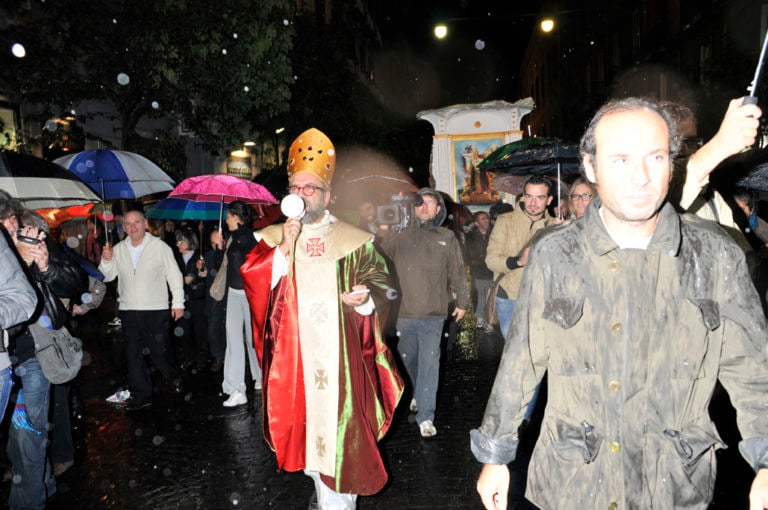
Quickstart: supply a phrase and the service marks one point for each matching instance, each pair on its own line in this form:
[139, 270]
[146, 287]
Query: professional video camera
[398, 214]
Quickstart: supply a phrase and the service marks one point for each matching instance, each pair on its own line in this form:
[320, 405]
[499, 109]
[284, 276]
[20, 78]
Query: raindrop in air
[246, 88]
[158, 440]
[18, 50]
[224, 51]
[286, 22]
[155, 105]
[123, 79]
[178, 331]
[479, 44]
[234, 36]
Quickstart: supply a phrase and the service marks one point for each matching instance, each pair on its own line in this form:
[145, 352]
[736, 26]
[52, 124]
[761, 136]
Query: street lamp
[547, 25]
[441, 31]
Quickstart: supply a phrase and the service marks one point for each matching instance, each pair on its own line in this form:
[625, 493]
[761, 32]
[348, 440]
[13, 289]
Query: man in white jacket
[146, 269]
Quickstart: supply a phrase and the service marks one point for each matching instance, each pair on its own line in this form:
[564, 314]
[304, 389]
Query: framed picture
[473, 186]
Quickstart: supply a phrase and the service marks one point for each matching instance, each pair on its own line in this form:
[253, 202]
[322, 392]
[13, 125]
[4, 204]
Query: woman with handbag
[192, 329]
[238, 315]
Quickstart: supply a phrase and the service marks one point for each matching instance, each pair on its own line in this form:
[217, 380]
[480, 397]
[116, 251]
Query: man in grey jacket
[429, 265]
[635, 312]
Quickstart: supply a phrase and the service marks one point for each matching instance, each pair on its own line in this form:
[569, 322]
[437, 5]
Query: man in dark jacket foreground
[635, 312]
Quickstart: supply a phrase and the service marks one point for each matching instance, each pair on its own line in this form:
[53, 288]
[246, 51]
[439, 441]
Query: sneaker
[115, 323]
[237, 398]
[119, 397]
[480, 323]
[427, 429]
[413, 407]
[257, 384]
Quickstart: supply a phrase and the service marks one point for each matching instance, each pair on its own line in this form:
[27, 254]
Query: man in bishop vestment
[316, 288]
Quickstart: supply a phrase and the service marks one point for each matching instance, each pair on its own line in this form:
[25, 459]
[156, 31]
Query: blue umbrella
[180, 209]
[117, 175]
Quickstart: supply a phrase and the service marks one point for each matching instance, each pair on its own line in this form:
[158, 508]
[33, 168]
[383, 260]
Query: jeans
[32, 481]
[504, 309]
[146, 330]
[419, 348]
[483, 287]
[6, 383]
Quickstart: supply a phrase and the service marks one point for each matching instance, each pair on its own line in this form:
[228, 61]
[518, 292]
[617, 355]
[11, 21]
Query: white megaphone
[292, 206]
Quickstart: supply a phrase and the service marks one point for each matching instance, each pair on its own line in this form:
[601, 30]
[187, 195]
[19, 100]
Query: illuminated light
[18, 50]
[279, 130]
[547, 25]
[441, 31]
[239, 153]
[249, 144]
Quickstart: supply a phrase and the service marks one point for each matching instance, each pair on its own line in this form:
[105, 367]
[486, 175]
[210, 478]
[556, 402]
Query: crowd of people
[631, 304]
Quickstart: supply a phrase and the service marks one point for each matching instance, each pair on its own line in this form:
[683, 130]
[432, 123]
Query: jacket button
[616, 327]
[614, 266]
[614, 447]
[614, 386]
[613, 506]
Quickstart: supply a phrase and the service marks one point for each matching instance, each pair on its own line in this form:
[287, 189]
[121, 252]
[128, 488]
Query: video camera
[398, 214]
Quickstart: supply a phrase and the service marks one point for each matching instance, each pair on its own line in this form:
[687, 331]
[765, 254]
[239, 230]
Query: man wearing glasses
[510, 240]
[316, 287]
[430, 266]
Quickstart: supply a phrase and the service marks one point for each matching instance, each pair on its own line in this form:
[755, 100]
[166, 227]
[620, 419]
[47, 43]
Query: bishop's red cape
[369, 386]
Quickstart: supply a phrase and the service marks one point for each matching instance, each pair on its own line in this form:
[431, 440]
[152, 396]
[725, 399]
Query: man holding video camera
[430, 265]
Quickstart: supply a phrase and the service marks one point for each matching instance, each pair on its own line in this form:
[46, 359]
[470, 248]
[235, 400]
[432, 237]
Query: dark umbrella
[533, 156]
[529, 156]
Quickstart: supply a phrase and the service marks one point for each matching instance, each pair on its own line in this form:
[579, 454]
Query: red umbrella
[222, 188]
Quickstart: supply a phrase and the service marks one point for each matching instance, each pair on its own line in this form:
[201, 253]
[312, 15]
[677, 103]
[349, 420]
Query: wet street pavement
[188, 452]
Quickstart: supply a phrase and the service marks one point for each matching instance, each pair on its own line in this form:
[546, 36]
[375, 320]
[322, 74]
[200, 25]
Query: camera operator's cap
[312, 151]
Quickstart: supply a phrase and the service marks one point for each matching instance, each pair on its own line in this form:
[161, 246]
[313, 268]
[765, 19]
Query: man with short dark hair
[509, 244]
[634, 312]
[482, 277]
[145, 269]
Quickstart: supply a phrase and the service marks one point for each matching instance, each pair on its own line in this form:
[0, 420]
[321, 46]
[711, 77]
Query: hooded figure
[428, 261]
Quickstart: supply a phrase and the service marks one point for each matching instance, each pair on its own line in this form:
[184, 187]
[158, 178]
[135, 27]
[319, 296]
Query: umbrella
[533, 155]
[181, 209]
[223, 189]
[40, 184]
[117, 175]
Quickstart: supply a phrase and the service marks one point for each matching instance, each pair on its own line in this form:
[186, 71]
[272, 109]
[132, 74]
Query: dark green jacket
[633, 342]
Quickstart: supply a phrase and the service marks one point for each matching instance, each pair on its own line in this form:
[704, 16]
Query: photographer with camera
[428, 259]
[49, 268]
